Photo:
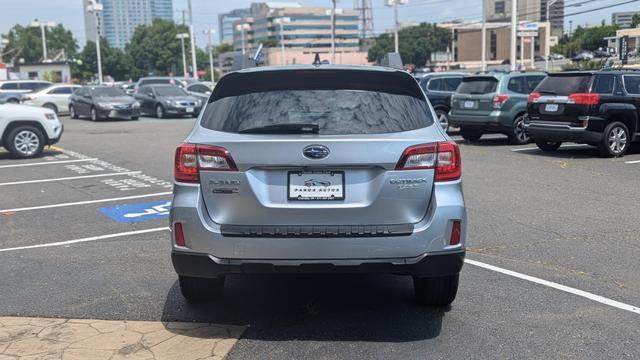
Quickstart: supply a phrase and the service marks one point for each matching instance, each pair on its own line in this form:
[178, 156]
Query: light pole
[183, 36]
[193, 43]
[242, 28]
[395, 4]
[547, 31]
[96, 8]
[210, 32]
[43, 32]
[333, 31]
[514, 25]
[483, 42]
[281, 21]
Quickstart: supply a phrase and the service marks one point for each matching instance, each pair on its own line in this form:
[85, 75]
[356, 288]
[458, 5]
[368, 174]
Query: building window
[498, 7]
[493, 45]
[33, 75]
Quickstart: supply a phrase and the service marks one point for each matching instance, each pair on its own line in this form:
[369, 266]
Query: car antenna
[317, 61]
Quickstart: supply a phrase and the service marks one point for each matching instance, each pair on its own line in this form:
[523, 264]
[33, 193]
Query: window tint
[518, 84]
[435, 85]
[632, 84]
[532, 82]
[604, 84]
[62, 90]
[478, 85]
[170, 91]
[154, 82]
[199, 88]
[564, 85]
[30, 86]
[107, 92]
[10, 86]
[451, 84]
[335, 111]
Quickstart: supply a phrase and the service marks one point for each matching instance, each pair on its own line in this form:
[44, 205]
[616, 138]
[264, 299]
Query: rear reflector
[455, 233]
[584, 99]
[444, 157]
[191, 159]
[178, 234]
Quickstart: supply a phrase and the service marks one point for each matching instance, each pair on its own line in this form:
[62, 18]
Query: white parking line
[88, 239]
[561, 147]
[584, 294]
[85, 202]
[632, 162]
[46, 163]
[69, 178]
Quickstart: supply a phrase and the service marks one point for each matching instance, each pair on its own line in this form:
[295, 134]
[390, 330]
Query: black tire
[546, 145]
[31, 145]
[72, 112]
[13, 101]
[52, 107]
[201, 289]
[134, 118]
[443, 119]
[93, 114]
[471, 134]
[518, 136]
[615, 133]
[160, 111]
[436, 291]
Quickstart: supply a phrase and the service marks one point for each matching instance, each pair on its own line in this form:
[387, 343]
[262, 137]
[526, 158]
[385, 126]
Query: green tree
[585, 39]
[25, 42]
[416, 43]
[635, 20]
[115, 62]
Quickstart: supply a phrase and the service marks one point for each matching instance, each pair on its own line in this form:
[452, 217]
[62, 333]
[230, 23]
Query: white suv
[25, 130]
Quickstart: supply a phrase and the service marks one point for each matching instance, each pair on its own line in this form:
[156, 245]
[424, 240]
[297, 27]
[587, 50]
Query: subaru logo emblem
[315, 152]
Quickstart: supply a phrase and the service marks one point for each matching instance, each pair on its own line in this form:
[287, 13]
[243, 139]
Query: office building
[528, 10]
[623, 18]
[120, 18]
[225, 23]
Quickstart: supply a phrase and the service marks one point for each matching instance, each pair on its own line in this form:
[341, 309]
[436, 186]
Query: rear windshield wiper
[283, 129]
[547, 92]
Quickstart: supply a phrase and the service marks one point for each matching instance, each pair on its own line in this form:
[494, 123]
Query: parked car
[166, 100]
[288, 171]
[55, 97]
[599, 108]
[493, 103]
[103, 102]
[162, 80]
[11, 91]
[25, 130]
[439, 87]
[583, 56]
[557, 57]
[129, 89]
[201, 90]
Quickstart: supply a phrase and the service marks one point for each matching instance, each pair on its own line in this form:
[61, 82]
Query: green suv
[494, 103]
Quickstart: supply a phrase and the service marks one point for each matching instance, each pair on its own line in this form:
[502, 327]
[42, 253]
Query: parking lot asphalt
[553, 244]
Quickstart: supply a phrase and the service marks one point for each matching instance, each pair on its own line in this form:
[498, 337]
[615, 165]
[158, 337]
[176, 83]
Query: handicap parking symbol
[130, 213]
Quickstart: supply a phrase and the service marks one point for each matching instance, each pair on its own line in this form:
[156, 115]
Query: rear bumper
[431, 265]
[495, 120]
[562, 133]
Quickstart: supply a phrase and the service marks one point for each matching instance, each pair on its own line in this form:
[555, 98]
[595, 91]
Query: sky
[69, 12]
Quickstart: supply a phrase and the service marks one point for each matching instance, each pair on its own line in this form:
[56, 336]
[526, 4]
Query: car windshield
[334, 111]
[564, 85]
[170, 91]
[107, 92]
[478, 85]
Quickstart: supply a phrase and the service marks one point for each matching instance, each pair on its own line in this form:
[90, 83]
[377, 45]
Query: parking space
[552, 249]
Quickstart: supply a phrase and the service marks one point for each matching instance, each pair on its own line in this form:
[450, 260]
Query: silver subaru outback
[318, 169]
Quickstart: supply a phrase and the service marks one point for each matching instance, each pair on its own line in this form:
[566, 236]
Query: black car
[439, 87]
[599, 108]
[103, 102]
[164, 100]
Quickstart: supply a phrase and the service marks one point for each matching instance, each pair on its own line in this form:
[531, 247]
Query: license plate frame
[551, 108]
[190, 109]
[468, 104]
[300, 179]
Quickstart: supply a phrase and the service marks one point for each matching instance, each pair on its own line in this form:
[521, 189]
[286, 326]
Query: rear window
[337, 112]
[10, 86]
[479, 85]
[564, 85]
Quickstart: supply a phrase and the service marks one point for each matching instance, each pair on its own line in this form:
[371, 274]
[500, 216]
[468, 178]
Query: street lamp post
[396, 26]
[183, 36]
[483, 42]
[281, 22]
[96, 8]
[547, 31]
[43, 32]
[210, 32]
[242, 28]
[193, 43]
[333, 31]
[514, 25]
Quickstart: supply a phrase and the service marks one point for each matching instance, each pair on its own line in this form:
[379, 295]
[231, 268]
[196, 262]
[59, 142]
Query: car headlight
[168, 102]
[105, 105]
[136, 104]
[50, 116]
[199, 102]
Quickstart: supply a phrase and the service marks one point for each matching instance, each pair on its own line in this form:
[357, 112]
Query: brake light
[534, 97]
[191, 159]
[444, 157]
[499, 100]
[584, 99]
[178, 234]
[455, 233]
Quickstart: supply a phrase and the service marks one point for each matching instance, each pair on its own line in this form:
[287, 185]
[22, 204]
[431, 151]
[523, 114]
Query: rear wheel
[72, 112]
[615, 141]
[25, 141]
[546, 145]
[436, 291]
[201, 289]
[518, 136]
[471, 134]
[443, 119]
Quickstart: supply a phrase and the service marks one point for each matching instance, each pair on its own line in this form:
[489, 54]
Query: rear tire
[443, 119]
[471, 134]
[615, 141]
[201, 289]
[436, 291]
[25, 141]
[72, 112]
[134, 118]
[546, 145]
[518, 136]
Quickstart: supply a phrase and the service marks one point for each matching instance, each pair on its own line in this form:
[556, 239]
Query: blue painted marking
[130, 213]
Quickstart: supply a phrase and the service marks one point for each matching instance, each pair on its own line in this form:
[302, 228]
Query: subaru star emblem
[315, 152]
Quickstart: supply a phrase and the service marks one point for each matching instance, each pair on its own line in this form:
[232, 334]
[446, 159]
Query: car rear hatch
[474, 96]
[318, 147]
[562, 99]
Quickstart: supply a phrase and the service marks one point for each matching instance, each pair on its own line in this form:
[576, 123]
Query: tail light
[499, 100]
[27, 97]
[584, 99]
[178, 234]
[444, 157]
[191, 159]
[455, 233]
[534, 97]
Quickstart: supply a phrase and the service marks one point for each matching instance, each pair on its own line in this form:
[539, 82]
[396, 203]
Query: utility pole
[183, 36]
[397, 25]
[281, 22]
[242, 28]
[43, 33]
[514, 25]
[210, 32]
[547, 32]
[96, 8]
[333, 32]
[193, 43]
[483, 42]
